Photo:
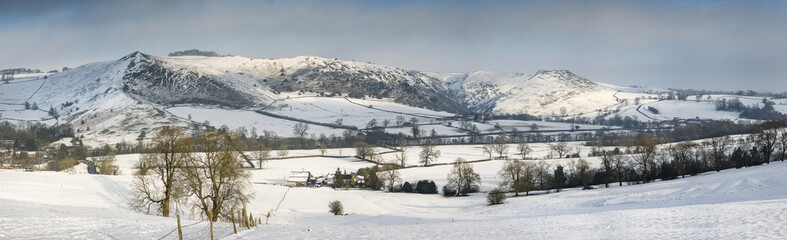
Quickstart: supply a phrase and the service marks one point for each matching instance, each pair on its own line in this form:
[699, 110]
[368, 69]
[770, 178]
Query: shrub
[426, 187]
[449, 191]
[336, 207]
[496, 196]
[61, 165]
[407, 187]
[107, 165]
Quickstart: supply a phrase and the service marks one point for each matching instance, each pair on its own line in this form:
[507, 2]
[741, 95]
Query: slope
[735, 203]
[547, 93]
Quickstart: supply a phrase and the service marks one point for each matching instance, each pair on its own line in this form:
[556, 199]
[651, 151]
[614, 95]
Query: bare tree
[389, 174]
[543, 174]
[718, 149]
[500, 147]
[646, 151]
[488, 149]
[561, 148]
[523, 149]
[363, 150]
[607, 164]
[262, 154]
[401, 157]
[282, 151]
[766, 141]
[300, 129]
[377, 159]
[783, 144]
[619, 165]
[518, 176]
[156, 174]
[216, 177]
[428, 153]
[399, 120]
[323, 149]
[682, 154]
[372, 123]
[463, 178]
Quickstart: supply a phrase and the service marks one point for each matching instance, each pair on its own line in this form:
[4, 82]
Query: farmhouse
[299, 178]
[350, 179]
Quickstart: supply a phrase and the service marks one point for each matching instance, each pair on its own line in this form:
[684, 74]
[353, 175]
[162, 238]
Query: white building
[300, 178]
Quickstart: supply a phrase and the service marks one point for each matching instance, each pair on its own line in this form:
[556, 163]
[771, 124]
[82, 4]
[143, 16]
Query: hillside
[735, 203]
[112, 101]
[117, 100]
[546, 93]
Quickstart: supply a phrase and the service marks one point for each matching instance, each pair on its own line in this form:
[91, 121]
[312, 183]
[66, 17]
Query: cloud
[711, 45]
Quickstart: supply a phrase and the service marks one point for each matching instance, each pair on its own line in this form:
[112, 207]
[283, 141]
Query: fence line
[173, 230]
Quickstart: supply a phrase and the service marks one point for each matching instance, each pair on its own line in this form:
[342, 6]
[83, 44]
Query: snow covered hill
[547, 93]
[731, 204]
[117, 100]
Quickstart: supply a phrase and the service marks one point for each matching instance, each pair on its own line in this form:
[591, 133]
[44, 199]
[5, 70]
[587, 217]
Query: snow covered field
[248, 119]
[735, 203]
[355, 112]
[510, 125]
[15, 93]
[689, 109]
[670, 109]
[748, 203]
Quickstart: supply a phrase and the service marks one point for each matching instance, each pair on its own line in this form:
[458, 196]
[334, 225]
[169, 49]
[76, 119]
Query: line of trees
[752, 112]
[646, 160]
[254, 141]
[32, 136]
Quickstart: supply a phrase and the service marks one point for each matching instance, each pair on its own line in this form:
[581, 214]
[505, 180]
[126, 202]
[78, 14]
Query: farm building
[299, 178]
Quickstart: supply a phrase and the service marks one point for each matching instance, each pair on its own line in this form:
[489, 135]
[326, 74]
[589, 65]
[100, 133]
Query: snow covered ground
[354, 112]
[16, 93]
[691, 108]
[249, 119]
[733, 204]
[736, 203]
[670, 109]
[510, 125]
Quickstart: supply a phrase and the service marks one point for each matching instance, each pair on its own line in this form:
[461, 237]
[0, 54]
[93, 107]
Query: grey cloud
[683, 45]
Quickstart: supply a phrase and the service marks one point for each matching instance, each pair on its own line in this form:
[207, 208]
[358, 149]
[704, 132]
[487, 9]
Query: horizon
[534, 72]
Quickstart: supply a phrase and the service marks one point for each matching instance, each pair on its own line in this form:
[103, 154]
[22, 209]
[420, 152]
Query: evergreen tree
[338, 179]
[738, 157]
[407, 187]
[559, 178]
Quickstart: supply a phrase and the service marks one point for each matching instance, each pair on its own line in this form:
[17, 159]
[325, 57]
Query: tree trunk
[165, 207]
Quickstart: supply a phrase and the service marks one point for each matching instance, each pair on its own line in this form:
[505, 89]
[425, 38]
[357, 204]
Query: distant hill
[195, 52]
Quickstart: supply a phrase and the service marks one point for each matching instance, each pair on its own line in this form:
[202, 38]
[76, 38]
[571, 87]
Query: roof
[299, 176]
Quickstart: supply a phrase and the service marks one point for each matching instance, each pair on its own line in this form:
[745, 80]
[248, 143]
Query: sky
[714, 45]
